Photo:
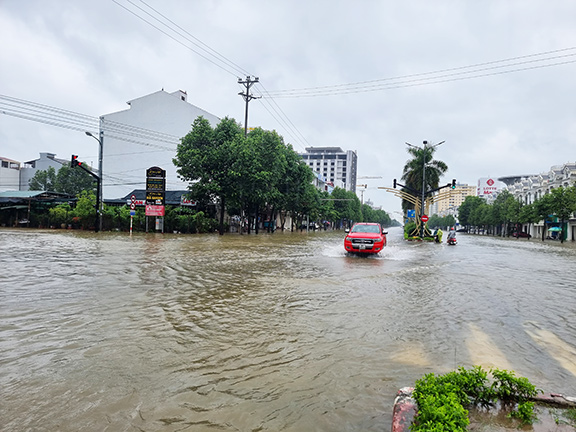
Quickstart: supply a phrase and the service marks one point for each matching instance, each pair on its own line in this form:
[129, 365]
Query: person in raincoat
[451, 234]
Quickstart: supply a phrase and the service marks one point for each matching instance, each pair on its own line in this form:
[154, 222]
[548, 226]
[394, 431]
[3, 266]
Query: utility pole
[247, 97]
[100, 197]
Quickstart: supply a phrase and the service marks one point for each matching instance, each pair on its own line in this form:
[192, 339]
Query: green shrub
[442, 399]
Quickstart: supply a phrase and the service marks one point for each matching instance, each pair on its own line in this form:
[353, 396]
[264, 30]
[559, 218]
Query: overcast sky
[425, 70]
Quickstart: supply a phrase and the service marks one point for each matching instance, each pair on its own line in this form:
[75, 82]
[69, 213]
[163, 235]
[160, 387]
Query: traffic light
[74, 161]
[394, 183]
[453, 183]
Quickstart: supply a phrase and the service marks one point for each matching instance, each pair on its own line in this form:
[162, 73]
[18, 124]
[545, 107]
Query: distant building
[29, 169]
[322, 184]
[146, 135]
[529, 188]
[457, 196]
[9, 174]
[335, 165]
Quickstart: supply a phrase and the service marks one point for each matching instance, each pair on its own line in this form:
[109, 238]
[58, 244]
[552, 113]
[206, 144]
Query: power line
[81, 122]
[291, 127]
[225, 68]
[229, 67]
[433, 77]
[203, 46]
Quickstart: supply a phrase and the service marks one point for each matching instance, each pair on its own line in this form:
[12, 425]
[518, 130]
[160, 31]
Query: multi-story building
[529, 188]
[9, 174]
[143, 136]
[456, 197]
[45, 161]
[337, 166]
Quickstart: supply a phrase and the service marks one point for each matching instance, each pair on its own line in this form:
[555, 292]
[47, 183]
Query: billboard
[487, 186]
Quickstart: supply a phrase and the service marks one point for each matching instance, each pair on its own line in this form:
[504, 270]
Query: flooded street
[275, 332]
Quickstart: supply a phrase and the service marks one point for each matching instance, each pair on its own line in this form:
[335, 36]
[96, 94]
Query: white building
[336, 165]
[529, 188]
[45, 161]
[146, 135]
[9, 174]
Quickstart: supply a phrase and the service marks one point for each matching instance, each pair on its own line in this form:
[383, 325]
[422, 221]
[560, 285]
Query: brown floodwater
[268, 332]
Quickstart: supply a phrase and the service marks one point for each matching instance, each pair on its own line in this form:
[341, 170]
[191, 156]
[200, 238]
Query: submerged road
[265, 333]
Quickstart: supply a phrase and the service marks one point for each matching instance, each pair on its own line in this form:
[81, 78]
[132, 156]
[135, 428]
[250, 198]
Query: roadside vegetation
[507, 213]
[259, 176]
[443, 400]
[248, 178]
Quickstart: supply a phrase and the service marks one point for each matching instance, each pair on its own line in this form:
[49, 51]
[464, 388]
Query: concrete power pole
[247, 98]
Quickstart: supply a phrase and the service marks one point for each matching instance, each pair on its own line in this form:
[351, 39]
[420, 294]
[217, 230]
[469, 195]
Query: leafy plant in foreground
[442, 399]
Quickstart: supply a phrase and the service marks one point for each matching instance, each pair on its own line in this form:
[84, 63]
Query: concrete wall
[129, 152]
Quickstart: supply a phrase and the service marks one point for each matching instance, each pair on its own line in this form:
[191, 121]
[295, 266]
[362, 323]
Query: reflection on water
[269, 332]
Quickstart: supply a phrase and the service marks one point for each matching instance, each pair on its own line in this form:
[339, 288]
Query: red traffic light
[74, 161]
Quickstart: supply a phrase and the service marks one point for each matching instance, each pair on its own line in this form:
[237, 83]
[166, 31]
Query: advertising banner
[154, 210]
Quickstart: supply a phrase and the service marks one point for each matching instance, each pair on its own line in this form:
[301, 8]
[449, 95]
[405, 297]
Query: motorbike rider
[437, 235]
[451, 234]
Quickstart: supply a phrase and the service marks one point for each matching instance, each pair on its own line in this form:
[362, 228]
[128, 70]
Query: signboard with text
[155, 186]
[487, 186]
[186, 201]
[154, 210]
[155, 172]
[154, 198]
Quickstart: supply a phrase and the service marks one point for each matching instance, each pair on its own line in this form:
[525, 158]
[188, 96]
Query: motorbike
[452, 241]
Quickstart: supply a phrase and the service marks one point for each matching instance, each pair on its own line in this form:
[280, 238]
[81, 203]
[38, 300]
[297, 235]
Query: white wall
[124, 162]
[45, 161]
[9, 175]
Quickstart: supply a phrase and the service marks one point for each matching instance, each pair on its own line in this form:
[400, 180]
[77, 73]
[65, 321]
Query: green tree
[205, 157]
[326, 210]
[294, 185]
[60, 215]
[85, 209]
[563, 205]
[436, 221]
[67, 180]
[422, 162]
[505, 210]
[466, 208]
[258, 168]
[43, 180]
[72, 181]
[347, 206]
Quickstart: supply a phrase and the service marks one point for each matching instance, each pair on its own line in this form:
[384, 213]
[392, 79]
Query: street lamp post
[424, 148]
[99, 198]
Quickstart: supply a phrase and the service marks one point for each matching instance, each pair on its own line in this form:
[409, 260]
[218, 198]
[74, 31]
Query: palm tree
[413, 171]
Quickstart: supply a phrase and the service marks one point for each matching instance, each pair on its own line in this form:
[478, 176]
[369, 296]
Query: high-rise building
[457, 196]
[337, 166]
